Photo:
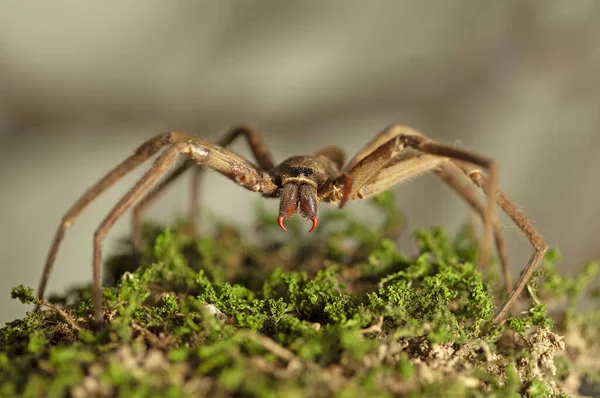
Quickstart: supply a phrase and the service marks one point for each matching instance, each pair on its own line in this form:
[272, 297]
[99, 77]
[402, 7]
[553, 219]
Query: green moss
[24, 294]
[340, 312]
[558, 287]
[536, 316]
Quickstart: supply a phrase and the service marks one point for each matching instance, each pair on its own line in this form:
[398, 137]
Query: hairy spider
[396, 154]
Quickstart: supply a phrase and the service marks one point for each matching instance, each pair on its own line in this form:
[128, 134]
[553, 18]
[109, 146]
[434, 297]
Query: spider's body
[396, 154]
[300, 178]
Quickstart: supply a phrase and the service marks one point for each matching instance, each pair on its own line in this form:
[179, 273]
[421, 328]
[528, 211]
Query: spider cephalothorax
[300, 178]
[396, 154]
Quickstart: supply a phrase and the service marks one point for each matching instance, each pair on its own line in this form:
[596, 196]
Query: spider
[396, 154]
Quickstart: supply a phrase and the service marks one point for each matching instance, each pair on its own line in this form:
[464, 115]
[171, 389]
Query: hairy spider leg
[221, 160]
[141, 154]
[537, 241]
[393, 140]
[369, 158]
[259, 150]
[452, 175]
[409, 165]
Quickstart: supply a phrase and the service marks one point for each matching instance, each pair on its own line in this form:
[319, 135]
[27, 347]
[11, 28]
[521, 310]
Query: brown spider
[396, 154]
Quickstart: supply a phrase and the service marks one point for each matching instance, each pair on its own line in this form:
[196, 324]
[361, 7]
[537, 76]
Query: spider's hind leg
[535, 238]
[452, 175]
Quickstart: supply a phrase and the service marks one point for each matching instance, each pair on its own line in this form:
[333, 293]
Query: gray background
[82, 84]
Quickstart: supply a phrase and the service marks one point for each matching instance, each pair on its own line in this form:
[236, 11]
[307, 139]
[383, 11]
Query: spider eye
[300, 171]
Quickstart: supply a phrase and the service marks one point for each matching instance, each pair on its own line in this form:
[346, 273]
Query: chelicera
[396, 154]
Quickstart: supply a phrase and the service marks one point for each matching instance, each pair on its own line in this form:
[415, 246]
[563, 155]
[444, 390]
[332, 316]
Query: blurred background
[83, 84]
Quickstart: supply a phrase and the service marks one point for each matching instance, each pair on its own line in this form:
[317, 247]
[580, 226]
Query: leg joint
[99, 236]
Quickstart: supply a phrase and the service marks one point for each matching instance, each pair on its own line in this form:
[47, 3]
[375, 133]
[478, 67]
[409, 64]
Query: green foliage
[537, 389]
[418, 297]
[340, 312]
[536, 316]
[560, 287]
[24, 294]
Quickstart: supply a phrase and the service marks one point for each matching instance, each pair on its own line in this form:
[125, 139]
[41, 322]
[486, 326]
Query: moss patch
[340, 312]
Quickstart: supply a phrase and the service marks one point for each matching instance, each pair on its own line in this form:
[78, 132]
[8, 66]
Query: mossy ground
[340, 312]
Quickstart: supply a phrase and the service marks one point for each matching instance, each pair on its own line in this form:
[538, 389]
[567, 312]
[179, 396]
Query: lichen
[340, 312]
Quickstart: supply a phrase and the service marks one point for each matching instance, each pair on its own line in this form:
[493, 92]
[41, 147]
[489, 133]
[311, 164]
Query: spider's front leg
[408, 165]
[389, 147]
[141, 154]
[219, 159]
[384, 162]
[258, 148]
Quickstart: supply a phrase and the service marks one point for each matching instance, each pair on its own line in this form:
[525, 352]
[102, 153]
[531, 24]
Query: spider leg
[452, 175]
[474, 221]
[402, 167]
[219, 159]
[142, 204]
[393, 141]
[409, 165]
[537, 241]
[456, 174]
[142, 153]
[259, 150]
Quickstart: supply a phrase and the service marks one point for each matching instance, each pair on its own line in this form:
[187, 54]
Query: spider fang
[315, 221]
[280, 222]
